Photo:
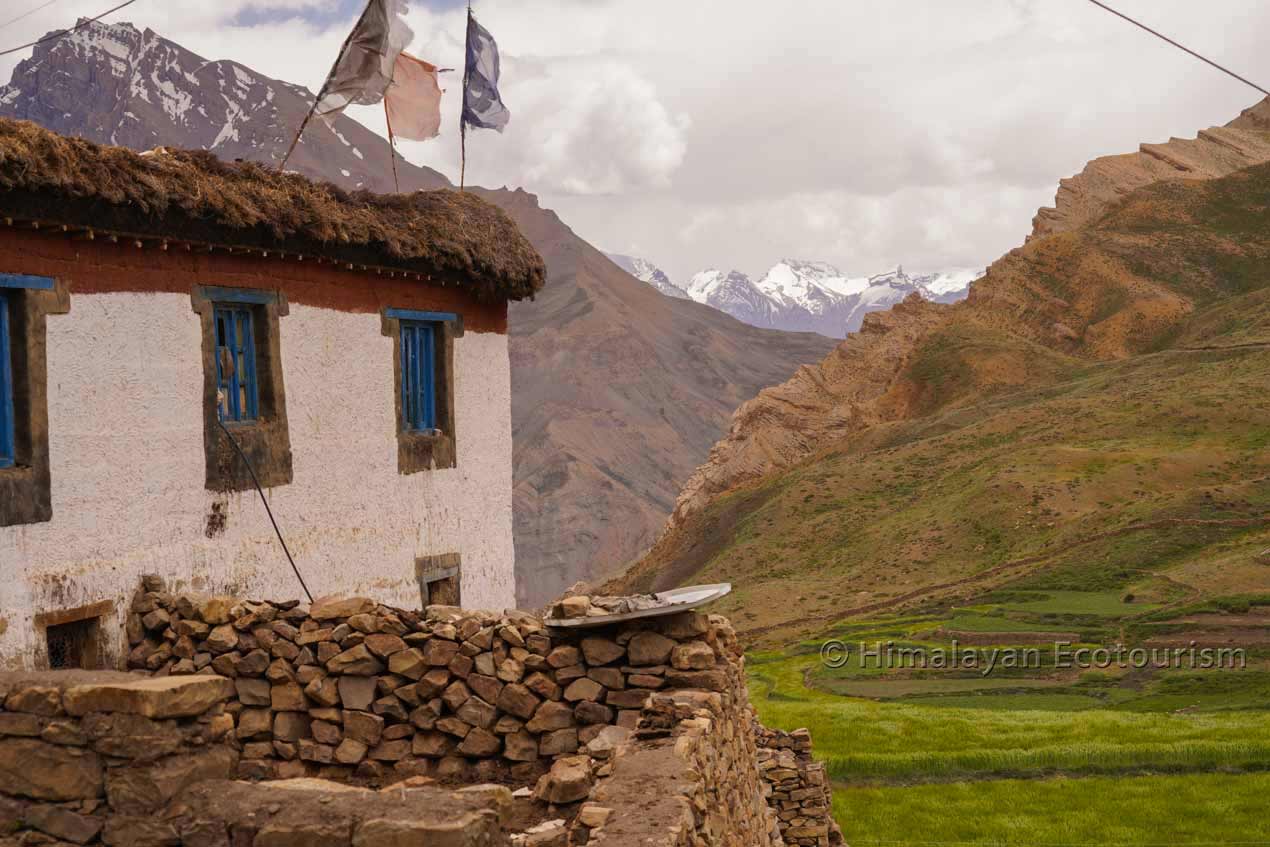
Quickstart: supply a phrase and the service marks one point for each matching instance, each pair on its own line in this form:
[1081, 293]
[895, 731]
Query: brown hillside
[618, 393]
[1125, 283]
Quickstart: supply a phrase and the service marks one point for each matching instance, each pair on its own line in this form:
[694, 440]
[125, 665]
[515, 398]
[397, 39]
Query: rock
[568, 781]
[384, 644]
[558, 742]
[572, 607]
[550, 715]
[692, 656]
[584, 689]
[408, 663]
[564, 656]
[592, 713]
[254, 723]
[350, 751]
[607, 740]
[138, 831]
[391, 751]
[477, 712]
[510, 670]
[601, 651]
[141, 789]
[434, 745]
[215, 610]
[543, 686]
[291, 726]
[518, 700]
[390, 707]
[253, 692]
[553, 833]
[434, 682]
[363, 727]
[608, 677]
[62, 823]
[438, 652]
[253, 663]
[685, 625]
[486, 687]
[649, 648]
[355, 661]
[221, 639]
[325, 732]
[454, 726]
[160, 697]
[356, 692]
[288, 697]
[711, 680]
[35, 700]
[42, 771]
[480, 742]
[323, 690]
[520, 747]
[631, 698]
[593, 816]
[640, 680]
[456, 695]
[125, 736]
[18, 723]
[330, 608]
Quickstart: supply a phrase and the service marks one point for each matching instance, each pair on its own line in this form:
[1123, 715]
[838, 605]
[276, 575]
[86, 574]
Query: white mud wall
[125, 388]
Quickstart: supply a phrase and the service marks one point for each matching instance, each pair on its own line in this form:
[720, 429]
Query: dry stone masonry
[261, 724]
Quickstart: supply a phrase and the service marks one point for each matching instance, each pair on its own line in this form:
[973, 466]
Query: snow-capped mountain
[115, 84]
[802, 296]
[642, 269]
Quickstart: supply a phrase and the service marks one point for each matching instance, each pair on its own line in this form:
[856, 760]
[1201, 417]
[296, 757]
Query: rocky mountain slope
[618, 392]
[802, 296]
[1099, 379]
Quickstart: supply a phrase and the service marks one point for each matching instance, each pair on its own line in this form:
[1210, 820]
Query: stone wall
[89, 755]
[349, 689]
[797, 787]
[278, 725]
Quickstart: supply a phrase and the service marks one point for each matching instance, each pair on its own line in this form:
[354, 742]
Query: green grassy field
[1032, 758]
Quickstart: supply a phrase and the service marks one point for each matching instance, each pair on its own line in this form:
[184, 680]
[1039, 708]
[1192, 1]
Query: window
[73, 637]
[236, 363]
[418, 376]
[440, 579]
[6, 387]
[244, 399]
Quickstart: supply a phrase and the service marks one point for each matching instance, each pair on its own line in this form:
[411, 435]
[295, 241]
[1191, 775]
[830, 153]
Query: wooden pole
[326, 84]
[392, 148]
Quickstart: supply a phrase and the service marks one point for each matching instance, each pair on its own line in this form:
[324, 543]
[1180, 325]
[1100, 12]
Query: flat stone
[543, 686]
[384, 644]
[480, 742]
[139, 790]
[355, 661]
[62, 823]
[157, 697]
[254, 723]
[557, 742]
[356, 692]
[350, 751]
[588, 712]
[438, 651]
[692, 656]
[408, 663]
[584, 689]
[19, 723]
[42, 771]
[550, 715]
[291, 726]
[563, 656]
[330, 608]
[608, 677]
[518, 700]
[253, 692]
[649, 648]
[600, 651]
[363, 727]
[35, 700]
[477, 712]
[432, 744]
[288, 697]
[520, 747]
[568, 781]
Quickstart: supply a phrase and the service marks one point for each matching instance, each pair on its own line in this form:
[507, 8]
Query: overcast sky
[733, 133]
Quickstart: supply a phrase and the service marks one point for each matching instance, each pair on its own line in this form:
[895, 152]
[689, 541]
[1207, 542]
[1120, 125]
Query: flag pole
[392, 148]
[467, 58]
[334, 65]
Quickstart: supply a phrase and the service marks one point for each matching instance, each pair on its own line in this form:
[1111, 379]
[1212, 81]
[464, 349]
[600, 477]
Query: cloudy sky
[732, 133]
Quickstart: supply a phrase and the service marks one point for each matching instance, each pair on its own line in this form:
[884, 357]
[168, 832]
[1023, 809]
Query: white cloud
[734, 132]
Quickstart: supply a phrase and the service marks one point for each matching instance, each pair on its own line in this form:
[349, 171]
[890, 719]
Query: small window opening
[74, 645]
[418, 377]
[440, 580]
[237, 390]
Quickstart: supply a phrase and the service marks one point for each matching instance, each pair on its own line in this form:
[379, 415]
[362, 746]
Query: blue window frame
[235, 362]
[418, 376]
[7, 455]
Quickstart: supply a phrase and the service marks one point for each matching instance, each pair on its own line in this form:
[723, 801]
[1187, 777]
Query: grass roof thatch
[191, 196]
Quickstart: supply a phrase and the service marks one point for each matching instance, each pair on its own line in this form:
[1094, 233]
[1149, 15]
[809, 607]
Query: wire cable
[1163, 37]
[269, 511]
[64, 32]
[27, 14]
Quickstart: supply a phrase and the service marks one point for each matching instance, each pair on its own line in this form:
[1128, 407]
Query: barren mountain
[618, 392]
[1125, 274]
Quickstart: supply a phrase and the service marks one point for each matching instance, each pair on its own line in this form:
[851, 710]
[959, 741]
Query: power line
[55, 35]
[27, 14]
[1180, 46]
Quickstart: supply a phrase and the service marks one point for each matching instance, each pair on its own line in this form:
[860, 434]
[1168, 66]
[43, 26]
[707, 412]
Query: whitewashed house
[154, 306]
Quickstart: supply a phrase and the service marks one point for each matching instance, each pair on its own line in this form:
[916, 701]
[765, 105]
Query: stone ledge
[162, 697]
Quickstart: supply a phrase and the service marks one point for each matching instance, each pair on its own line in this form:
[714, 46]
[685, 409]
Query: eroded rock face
[1214, 152]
